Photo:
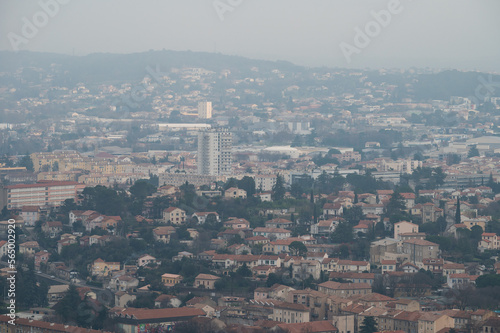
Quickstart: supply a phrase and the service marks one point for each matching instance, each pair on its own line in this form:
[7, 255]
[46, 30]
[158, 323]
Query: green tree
[279, 188]
[297, 248]
[248, 184]
[26, 162]
[369, 325]
[458, 218]
[244, 271]
[142, 188]
[343, 233]
[473, 151]
[68, 305]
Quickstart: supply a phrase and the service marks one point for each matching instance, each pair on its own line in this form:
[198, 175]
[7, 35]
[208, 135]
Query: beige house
[388, 266]
[303, 269]
[29, 248]
[434, 322]
[205, 280]
[418, 249]
[57, 292]
[162, 234]
[145, 260]
[235, 193]
[453, 268]
[174, 215]
[290, 313]
[170, 280]
[344, 289]
[404, 227]
[102, 268]
[489, 241]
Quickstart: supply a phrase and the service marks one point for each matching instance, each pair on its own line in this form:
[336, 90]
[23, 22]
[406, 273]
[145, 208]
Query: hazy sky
[462, 34]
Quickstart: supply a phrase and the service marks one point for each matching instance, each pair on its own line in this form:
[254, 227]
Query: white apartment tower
[205, 110]
[215, 152]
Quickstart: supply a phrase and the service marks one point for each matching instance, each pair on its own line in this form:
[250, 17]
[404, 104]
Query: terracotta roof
[207, 277]
[290, 306]
[312, 327]
[420, 242]
[171, 209]
[52, 327]
[271, 230]
[344, 286]
[144, 314]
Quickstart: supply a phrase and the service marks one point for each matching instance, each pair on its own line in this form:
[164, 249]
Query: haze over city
[250, 166]
[457, 34]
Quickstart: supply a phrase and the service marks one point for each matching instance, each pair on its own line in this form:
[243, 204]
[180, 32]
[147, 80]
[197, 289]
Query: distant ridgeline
[108, 68]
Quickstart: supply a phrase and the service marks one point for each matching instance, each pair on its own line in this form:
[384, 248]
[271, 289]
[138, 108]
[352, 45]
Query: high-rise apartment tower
[215, 152]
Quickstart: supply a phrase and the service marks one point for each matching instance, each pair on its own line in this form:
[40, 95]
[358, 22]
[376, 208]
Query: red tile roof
[168, 313]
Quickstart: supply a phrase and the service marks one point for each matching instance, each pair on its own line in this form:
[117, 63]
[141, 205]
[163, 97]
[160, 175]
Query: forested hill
[101, 67]
[112, 68]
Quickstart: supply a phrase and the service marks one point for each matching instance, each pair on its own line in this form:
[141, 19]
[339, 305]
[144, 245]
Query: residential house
[29, 248]
[239, 249]
[453, 268]
[174, 215]
[237, 223]
[271, 233]
[460, 280]
[409, 199]
[324, 227]
[167, 301]
[206, 281]
[101, 268]
[257, 240]
[489, 241]
[52, 228]
[30, 215]
[41, 257]
[332, 209]
[290, 313]
[430, 322]
[303, 269]
[404, 227]
[162, 234]
[134, 320]
[123, 282]
[388, 266]
[314, 300]
[146, 260]
[344, 289]
[264, 196]
[171, 280]
[418, 249]
[235, 193]
[57, 292]
[279, 223]
[434, 265]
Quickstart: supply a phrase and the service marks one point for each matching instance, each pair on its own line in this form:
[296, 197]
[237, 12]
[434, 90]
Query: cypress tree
[458, 219]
